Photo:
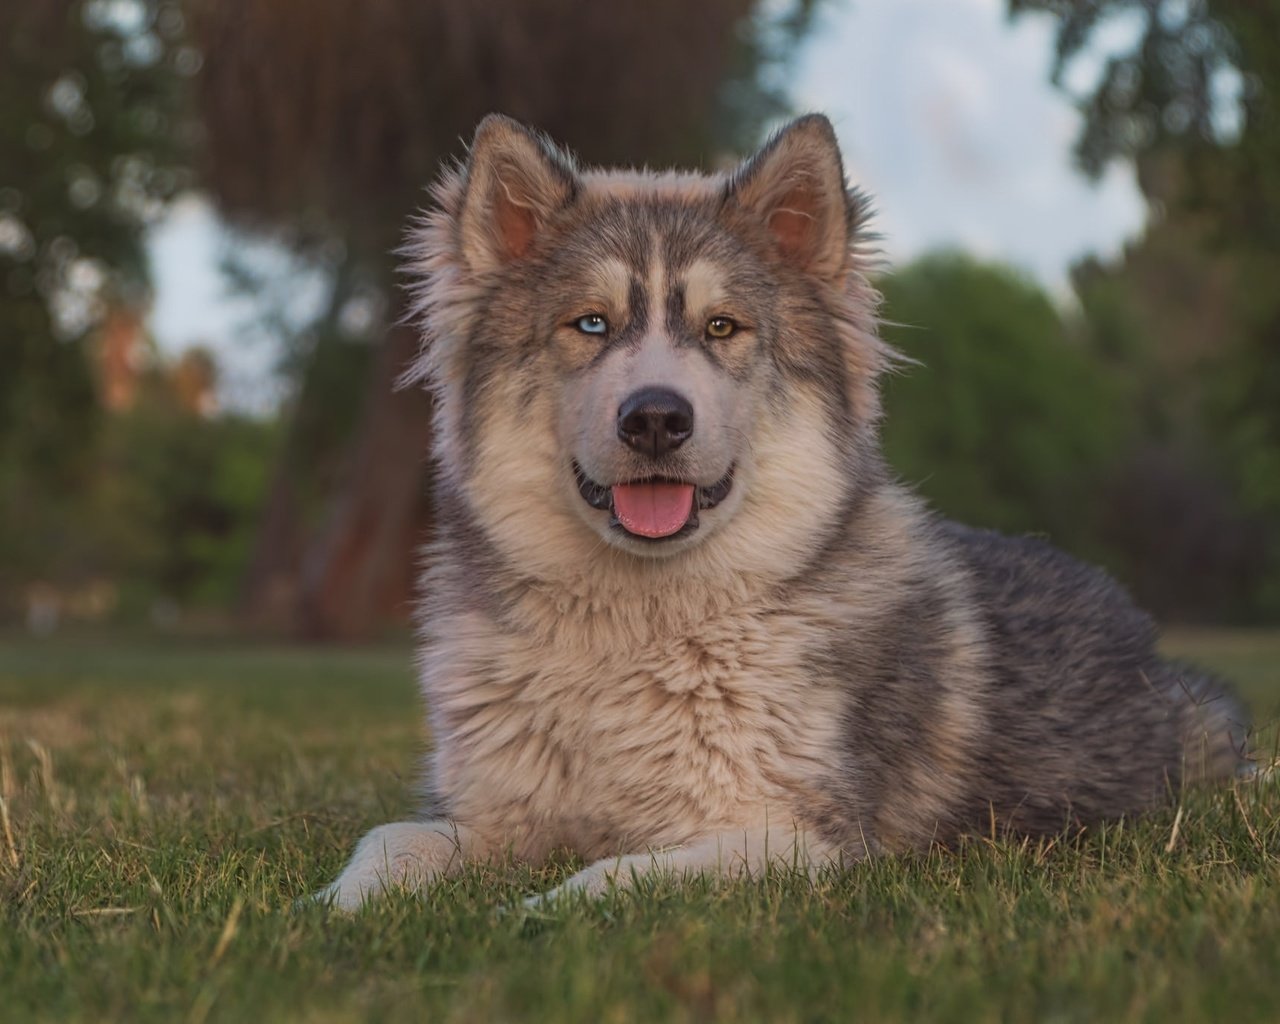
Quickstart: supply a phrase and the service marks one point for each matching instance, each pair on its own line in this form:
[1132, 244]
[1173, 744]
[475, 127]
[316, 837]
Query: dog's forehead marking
[703, 285]
[657, 297]
[611, 279]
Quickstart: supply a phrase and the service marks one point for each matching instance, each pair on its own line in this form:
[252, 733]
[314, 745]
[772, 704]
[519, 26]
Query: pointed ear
[796, 186]
[515, 181]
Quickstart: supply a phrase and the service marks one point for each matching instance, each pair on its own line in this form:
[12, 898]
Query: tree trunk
[269, 591]
[361, 570]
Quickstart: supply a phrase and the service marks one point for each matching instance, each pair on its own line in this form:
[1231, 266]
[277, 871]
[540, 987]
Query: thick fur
[823, 669]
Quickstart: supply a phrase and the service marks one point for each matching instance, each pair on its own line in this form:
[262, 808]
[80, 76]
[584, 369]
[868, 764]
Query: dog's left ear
[516, 180]
[796, 185]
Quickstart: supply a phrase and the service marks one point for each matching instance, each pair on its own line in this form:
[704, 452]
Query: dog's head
[666, 368]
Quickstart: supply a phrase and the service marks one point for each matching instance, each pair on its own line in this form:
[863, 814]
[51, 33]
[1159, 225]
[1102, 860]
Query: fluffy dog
[678, 616]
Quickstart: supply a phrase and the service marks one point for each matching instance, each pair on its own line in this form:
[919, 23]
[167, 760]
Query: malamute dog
[678, 615]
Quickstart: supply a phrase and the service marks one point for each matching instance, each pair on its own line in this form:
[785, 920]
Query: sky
[945, 115]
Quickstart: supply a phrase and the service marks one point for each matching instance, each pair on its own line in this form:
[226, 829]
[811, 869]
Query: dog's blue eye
[592, 323]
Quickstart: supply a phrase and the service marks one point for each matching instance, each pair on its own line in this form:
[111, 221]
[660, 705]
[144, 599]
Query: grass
[166, 803]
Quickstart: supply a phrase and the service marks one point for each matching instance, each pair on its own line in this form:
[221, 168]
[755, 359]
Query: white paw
[405, 855]
[598, 879]
[334, 897]
[356, 886]
[545, 902]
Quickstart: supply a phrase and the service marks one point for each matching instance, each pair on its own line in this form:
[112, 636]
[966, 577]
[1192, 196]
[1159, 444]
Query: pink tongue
[652, 509]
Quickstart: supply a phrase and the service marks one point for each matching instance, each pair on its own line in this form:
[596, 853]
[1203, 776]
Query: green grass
[168, 802]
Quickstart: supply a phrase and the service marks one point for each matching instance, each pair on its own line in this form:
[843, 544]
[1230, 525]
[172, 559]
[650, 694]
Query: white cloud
[947, 116]
[194, 305]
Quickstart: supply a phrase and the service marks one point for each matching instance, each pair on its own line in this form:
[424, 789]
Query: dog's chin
[653, 517]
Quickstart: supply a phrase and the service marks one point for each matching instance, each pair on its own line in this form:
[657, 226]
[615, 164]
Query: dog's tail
[1215, 725]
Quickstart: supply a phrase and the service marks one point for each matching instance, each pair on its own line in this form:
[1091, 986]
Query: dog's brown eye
[720, 327]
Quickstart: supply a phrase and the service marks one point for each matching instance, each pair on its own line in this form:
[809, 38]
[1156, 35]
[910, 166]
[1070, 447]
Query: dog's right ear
[515, 181]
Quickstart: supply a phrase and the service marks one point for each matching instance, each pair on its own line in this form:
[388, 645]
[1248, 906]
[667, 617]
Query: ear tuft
[516, 180]
[795, 185]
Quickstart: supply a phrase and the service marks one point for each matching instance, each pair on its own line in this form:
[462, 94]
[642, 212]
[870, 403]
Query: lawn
[166, 802]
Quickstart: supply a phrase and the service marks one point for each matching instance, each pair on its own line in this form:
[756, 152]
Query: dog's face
[651, 364]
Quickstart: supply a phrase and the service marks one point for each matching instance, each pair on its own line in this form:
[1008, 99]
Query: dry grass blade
[105, 911]
[1244, 816]
[10, 846]
[1173, 832]
[6, 772]
[44, 757]
[228, 931]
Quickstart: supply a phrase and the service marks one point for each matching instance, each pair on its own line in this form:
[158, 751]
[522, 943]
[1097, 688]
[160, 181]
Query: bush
[1004, 422]
[163, 508]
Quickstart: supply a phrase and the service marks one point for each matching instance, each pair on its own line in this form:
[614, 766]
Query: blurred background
[200, 201]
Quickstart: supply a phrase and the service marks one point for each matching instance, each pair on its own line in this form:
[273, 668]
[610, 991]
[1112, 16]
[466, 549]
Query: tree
[326, 119]
[92, 141]
[1196, 105]
[1003, 421]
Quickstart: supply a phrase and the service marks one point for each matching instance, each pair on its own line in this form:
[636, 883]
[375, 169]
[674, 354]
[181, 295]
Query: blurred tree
[325, 360]
[326, 119]
[1196, 105]
[167, 505]
[92, 141]
[179, 489]
[1007, 422]
[1171, 513]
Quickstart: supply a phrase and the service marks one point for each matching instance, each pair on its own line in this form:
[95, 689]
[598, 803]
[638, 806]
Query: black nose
[655, 421]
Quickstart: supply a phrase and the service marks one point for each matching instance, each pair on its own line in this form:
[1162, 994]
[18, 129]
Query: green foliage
[92, 141]
[48, 413]
[1243, 402]
[168, 802]
[1159, 94]
[91, 126]
[164, 506]
[1186, 537]
[182, 493]
[1196, 105]
[1006, 423]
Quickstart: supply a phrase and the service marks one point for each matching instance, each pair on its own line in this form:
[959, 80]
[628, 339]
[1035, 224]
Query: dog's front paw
[345, 896]
[599, 878]
[590, 883]
[544, 902]
[356, 886]
[541, 902]
[405, 855]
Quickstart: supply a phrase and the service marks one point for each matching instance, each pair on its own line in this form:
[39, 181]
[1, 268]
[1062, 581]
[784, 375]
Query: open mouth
[655, 508]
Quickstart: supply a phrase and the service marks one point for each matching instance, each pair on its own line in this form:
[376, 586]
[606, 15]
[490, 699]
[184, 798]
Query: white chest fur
[602, 735]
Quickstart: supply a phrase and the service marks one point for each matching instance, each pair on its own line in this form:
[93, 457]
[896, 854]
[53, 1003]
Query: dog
[678, 616]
